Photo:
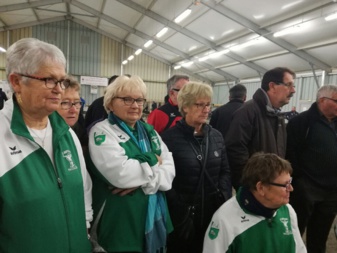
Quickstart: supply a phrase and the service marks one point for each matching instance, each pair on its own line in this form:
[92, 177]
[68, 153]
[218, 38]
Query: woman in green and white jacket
[132, 168]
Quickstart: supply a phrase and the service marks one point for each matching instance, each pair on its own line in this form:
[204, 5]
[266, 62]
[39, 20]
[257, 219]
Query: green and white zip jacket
[235, 230]
[44, 206]
[118, 162]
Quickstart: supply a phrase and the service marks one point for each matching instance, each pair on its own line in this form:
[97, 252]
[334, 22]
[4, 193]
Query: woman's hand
[160, 161]
[123, 192]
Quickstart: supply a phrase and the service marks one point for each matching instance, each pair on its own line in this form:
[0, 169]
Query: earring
[18, 98]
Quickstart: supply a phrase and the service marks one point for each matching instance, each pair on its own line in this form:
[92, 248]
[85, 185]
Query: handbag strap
[203, 170]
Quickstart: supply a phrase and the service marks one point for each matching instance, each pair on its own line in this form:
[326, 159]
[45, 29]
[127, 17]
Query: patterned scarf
[155, 226]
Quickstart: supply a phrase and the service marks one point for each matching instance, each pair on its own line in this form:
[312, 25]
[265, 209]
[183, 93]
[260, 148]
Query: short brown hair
[264, 167]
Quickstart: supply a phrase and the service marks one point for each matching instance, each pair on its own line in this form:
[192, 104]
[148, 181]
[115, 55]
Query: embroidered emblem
[285, 224]
[121, 137]
[99, 139]
[172, 115]
[216, 154]
[244, 219]
[67, 155]
[213, 231]
[14, 151]
[156, 142]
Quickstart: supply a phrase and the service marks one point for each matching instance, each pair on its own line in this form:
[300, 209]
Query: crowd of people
[111, 182]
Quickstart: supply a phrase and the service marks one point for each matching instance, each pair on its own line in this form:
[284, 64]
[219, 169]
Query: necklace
[38, 136]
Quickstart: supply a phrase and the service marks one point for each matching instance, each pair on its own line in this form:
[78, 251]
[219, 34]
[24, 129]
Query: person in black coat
[222, 116]
[202, 172]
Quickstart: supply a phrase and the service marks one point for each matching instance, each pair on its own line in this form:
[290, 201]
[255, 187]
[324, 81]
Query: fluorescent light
[243, 45]
[124, 62]
[288, 30]
[204, 58]
[258, 16]
[147, 44]
[217, 54]
[331, 17]
[162, 32]
[2, 49]
[291, 4]
[192, 48]
[131, 57]
[183, 16]
[177, 67]
[211, 37]
[187, 64]
[138, 51]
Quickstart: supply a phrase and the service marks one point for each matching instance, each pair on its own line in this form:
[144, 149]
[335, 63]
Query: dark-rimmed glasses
[287, 185]
[129, 101]
[203, 106]
[288, 85]
[175, 89]
[334, 100]
[49, 81]
[65, 105]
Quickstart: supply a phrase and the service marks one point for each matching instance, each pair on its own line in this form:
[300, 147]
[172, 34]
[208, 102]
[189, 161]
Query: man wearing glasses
[258, 125]
[167, 115]
[312, 151]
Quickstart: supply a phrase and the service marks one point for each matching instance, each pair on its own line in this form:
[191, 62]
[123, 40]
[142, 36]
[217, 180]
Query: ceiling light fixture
[187, 64]
[291, 4]
[162, 32]
[2, 49]
[246, 44]
[148, 43]
[138, 51]
[182, 16]
[124, 62]
[289, 30]
[130, 58]
[177, 67]
[331, 17]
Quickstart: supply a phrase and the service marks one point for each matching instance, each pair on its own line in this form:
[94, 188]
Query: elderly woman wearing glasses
[202, 181]
[258, 218]
[45, 190]
[132, 168]
[70, 109]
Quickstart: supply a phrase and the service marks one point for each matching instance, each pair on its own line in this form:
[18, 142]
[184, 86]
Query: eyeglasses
[129, 101]
[288, 85]
[203, 106]
[49, 81]
[65, 105]
[287, 185]
[334, 100]
[177, 90]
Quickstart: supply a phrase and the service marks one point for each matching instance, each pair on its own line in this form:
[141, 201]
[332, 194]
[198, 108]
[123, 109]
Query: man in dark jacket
[222, 116]
[312, 151]
[258, 125]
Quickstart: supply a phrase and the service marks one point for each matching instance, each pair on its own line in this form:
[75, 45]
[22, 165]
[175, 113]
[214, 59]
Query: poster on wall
[93, 89]
[94, 81]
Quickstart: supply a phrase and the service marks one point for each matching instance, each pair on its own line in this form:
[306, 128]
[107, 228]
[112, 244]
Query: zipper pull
[59, 182]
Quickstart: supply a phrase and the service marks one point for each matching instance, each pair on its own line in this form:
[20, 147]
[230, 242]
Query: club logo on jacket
[285, 223]
[156, 142]
[99, 139]
[67, 155]
[213, 230]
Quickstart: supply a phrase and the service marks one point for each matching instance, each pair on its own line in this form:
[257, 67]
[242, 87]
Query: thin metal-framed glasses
[49, 81]
[203, 106]
[287, 185]
[334, 100]
[129, 101]
[288, 85]
[65, 105]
